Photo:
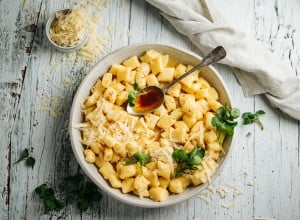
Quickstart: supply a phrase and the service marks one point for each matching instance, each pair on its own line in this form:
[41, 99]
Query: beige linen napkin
[256, 68]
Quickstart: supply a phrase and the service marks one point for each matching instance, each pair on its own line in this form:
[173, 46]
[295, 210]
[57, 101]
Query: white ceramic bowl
[184, 56]
[61, 48]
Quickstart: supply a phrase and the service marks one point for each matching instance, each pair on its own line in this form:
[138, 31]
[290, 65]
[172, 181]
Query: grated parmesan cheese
[69, 28]
[164, 154]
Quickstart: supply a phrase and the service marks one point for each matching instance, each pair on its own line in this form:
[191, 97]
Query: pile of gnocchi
[111, 136]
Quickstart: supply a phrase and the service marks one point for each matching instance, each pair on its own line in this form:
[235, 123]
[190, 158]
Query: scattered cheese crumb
[25, 4]
[238, 193]
[211, 188]
[231, 184]
[204, 192]
[69, 82]
[250, 183]
[227, 205]
[203, 198]
[223, 191]
[54, 106]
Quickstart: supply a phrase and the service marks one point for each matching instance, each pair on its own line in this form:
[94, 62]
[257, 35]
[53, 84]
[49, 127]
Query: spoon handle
[214, 56]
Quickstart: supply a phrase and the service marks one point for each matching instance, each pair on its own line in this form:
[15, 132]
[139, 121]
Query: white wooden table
[262, 176]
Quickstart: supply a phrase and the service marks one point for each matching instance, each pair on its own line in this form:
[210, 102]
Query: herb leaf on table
[249, 118]
[30, 161]
[50, 201]
[82, 192]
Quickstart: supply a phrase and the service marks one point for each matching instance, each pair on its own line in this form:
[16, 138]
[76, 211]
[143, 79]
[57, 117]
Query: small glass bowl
[61, 48]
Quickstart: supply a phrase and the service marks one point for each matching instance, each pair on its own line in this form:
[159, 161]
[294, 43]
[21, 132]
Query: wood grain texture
[37, 86]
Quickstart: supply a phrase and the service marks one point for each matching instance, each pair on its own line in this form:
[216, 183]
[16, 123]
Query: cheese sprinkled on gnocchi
[134, 153]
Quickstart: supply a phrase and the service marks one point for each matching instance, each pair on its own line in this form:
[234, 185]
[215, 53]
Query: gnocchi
[111, 137]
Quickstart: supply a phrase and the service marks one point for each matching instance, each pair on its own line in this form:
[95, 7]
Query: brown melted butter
[147, 101]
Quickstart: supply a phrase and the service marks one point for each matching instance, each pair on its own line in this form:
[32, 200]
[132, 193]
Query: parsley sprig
[30, 161]
[249, 118]
[132, 95]
[141, 157]
[51, 203]
[187, 161]
[81, 192]
[224, 120]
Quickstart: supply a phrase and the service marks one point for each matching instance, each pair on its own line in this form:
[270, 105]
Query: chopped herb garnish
[249, 118]
[131, 98]
[136, 86]
[141, 157]
[187, 161]
[30, 161]
[224, 120]
[47, 195]
[132, 94]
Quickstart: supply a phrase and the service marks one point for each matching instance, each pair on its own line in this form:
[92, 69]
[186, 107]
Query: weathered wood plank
[45, 103]
[277, 156]
[9, 97]
[18, 26]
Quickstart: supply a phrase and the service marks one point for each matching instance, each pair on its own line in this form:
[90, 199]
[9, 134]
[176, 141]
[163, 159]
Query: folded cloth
[257, 69]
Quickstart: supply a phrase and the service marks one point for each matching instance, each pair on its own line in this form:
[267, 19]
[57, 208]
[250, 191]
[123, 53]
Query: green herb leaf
[196, 155]
[49, 200]
[83, 205]
[260, 112]
[73, 181]
[96, 196]
[82, 193]
[131, 98]
[224, 120]
[141, 157]
[23, 156]
[41, 190]
[70, 199]
[249, 118]
[30, 161]
[136, 86]
[235, 113]
[223, 126]
[180, 155]
[186, 161]
[131, 161]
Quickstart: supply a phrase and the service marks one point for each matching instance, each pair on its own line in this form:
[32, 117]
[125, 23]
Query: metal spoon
[154, 96]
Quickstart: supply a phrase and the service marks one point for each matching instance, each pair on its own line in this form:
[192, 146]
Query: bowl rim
[109, 190]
